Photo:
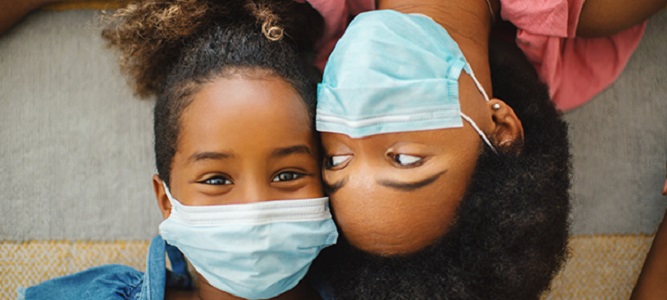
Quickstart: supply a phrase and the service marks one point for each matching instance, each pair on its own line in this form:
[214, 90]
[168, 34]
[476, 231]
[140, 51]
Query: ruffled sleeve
[104, 282]
[575, 69]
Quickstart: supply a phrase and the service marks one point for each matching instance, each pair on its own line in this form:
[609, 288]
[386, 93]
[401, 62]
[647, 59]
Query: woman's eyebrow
[411, 186]
[286, 151]
[330, 189]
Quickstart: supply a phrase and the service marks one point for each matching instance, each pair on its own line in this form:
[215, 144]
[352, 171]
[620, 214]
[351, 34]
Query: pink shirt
[575, 69]
[337, 15]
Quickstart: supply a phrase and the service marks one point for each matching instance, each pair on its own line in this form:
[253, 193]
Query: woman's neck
[468, 22]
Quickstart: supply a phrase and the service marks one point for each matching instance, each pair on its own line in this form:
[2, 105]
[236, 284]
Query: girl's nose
[254, 188]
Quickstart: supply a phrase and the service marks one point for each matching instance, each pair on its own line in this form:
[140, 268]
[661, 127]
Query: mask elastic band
[171, 198]
[479, 85]
[470, 121]
[479, 131]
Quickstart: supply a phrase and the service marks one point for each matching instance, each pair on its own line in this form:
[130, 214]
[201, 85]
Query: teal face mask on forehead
[393, 72]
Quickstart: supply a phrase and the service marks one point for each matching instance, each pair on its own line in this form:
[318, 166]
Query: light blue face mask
[393, 72]
[256, 250]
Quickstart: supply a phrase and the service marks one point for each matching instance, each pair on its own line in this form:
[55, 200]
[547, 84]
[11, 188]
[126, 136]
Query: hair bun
[268, 18]
[152, 35]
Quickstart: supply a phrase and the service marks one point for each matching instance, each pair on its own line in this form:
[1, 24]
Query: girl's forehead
[231, 96]
[240, 108]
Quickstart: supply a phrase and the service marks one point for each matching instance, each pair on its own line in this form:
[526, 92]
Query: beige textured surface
[600, 267]
[24, 264]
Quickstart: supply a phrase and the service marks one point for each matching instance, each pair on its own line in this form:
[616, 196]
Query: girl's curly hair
[169, 48]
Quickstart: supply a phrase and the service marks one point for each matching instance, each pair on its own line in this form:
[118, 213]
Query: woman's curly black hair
[169, 48]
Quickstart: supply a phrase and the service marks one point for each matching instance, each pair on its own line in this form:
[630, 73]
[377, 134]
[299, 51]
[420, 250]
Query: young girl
[238, 178]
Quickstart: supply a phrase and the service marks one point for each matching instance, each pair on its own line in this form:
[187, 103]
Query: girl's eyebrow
[197, 156]
[286, 151]
[278, 152]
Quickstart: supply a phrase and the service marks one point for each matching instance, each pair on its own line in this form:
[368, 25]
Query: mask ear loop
[172, 200]
[469, 120]
[477, 84]
[479, 131]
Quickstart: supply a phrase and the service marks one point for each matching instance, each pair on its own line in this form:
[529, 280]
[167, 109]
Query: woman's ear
[161, 196]
[507, 132]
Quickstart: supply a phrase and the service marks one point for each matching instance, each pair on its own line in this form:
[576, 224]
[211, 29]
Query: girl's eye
[405, 160]
[331, 162]
[287, 176]
[217, 180]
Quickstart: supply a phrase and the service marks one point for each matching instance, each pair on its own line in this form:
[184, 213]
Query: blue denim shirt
[119, 282]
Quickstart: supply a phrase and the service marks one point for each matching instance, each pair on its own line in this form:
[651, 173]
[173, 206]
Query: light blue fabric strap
[179, 277]
[155, 277]
[177, 260]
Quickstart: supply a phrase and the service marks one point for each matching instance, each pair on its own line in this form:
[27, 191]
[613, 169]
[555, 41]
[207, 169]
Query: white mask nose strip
[263, 212]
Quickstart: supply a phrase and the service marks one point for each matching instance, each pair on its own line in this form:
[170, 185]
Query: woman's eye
[217, 181]
[287, 176]
[405, 160]
[331, 162]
